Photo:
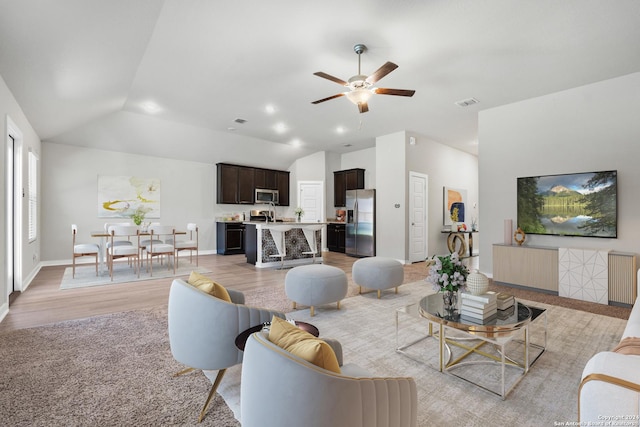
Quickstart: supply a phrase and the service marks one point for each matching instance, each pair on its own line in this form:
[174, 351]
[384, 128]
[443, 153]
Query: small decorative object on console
[519, 236]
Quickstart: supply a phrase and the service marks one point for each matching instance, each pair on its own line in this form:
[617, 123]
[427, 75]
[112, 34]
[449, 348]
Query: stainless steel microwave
[266, 196]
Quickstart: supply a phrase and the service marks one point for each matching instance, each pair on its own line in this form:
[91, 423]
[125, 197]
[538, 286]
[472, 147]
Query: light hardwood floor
[43, 302]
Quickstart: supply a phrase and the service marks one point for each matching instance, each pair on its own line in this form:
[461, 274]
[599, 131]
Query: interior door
[13, 212]
[311, 200]
[418, 202]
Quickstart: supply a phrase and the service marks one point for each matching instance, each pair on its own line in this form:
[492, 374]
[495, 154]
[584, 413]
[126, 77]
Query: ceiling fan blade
[330, 77]
[328, 98]
[381, 72]
[363, 107]
[398, 92]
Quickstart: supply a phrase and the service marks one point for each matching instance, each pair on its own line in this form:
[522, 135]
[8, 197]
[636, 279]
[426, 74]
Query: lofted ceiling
[83, 70]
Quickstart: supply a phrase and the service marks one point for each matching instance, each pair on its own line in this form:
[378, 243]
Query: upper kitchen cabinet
[265, 178]
[282, 180]
[348, 179]
[235, 184]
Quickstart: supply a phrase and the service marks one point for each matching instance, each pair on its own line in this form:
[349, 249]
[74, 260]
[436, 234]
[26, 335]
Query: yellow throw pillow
[207, 285]
[303, 344]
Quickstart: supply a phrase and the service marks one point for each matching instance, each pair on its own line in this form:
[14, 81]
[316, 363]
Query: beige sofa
[280, 389]
[610, 386]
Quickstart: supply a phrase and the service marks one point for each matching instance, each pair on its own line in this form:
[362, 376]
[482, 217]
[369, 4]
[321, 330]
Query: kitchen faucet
[272, 215]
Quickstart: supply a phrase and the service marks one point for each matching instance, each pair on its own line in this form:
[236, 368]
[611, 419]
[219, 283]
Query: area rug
[366, 327]
[112, 370]
[122, 272]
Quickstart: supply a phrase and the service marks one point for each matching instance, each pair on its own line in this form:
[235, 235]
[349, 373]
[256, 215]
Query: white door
[311, 200]
[418, 186]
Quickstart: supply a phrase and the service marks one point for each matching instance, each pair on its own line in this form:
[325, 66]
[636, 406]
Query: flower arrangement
[299, 212]
[447, 273]
[138, 215]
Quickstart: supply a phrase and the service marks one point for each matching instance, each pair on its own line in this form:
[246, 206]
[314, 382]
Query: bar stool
[278, 234]
[310, 234]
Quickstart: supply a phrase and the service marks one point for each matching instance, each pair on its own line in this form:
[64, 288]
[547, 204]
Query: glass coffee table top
[432, 308]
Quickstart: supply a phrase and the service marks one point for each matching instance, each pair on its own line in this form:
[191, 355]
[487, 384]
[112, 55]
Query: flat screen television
[575, 204]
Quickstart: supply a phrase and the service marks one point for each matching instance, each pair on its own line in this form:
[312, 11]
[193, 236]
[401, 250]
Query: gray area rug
[122, 272]
[117, 369]
[113, 370]
[366, 327]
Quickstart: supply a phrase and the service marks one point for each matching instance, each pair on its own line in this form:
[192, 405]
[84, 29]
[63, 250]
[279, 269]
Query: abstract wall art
[126, 196]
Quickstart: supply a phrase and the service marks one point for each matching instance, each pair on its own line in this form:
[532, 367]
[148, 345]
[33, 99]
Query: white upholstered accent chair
[203, 329]
[131, 252]
[309, 232]
[190, 244]
[83, 250]
[281, 389]
[159, 250]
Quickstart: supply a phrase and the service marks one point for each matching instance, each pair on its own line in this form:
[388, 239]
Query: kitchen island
[282, 244]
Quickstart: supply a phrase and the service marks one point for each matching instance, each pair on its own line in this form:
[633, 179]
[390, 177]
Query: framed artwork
[455, 200]
[125, 196]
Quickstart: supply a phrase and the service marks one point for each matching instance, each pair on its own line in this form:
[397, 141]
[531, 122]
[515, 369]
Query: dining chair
[191, 244]
[155, 249]
[131, 252]
[145, 241]
[83, 250]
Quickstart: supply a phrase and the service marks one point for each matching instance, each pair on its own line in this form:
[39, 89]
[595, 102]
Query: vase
[477, 283]
[298, 219]
[449, 302]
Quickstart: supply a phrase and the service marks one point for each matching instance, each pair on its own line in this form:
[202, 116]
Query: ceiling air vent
[241, 121]
[466, 102]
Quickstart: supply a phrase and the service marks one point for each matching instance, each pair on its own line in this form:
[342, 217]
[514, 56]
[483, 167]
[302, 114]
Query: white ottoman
[315, 284]
[378, 273]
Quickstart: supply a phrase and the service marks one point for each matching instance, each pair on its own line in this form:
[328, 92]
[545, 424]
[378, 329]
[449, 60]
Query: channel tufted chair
[281, 389]
[203, 329]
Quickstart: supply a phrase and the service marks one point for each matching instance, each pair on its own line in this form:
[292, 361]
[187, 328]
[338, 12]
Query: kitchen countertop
[289, 223]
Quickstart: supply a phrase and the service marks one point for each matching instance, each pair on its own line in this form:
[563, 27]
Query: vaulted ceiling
[85, 70]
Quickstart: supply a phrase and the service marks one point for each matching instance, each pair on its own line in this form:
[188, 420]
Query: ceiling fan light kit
[361, 86]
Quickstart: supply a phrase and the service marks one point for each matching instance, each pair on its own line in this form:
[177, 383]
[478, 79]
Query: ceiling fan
[361, 86]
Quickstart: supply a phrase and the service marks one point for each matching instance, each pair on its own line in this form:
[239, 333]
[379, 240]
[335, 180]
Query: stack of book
[505, 301]
[479, 308]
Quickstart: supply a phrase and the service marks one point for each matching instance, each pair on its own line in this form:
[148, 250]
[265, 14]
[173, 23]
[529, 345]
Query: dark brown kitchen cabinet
[348, 179]
[265, 178]
[336, 237]
[282, 180]
[235, 184]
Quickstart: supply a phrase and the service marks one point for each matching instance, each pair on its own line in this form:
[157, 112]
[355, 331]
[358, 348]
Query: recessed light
[340, 130]
[296, 142]
[270, 109]
[231, 128]
[150, 107]
[280, 127]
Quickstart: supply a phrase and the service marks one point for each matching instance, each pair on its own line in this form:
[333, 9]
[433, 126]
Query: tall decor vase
[449, 302]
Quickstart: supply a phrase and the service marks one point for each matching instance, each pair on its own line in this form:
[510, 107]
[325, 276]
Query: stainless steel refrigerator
[360, 227]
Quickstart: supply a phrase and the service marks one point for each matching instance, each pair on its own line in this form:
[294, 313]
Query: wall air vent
[241, 121]
[466, 102]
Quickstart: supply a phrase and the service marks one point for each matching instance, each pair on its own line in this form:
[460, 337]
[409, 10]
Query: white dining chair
[154, 249]
[130, 252]
[82, 250]
[190, 244]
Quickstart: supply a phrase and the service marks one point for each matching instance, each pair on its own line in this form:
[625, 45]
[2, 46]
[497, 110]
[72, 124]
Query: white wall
[446, 167]
[363, 159]
[589, 128]
[391, 189]
[30, 251]
[69, 193]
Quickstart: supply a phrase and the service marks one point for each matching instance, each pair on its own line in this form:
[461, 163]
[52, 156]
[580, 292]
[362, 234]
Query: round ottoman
[377, 273]
[315, 284]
